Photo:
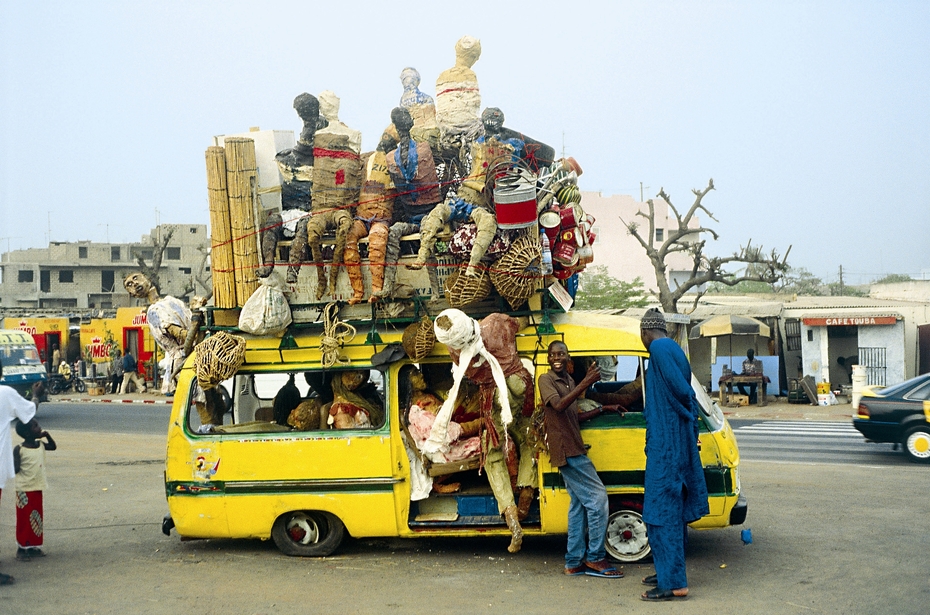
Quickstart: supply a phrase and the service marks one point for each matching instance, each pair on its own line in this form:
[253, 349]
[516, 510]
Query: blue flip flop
[604, 573]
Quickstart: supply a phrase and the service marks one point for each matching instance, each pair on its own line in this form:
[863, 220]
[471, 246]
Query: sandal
[651, 580]
[603, 570]
[574, 572]
[655, 595]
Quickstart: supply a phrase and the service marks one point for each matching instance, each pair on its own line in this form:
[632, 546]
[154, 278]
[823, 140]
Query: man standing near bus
[675, 490]
[588, 508]
[13, 406]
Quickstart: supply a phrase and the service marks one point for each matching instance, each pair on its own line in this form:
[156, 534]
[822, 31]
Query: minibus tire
[626, 536]
[307, 533]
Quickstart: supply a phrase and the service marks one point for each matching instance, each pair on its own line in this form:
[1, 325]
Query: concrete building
[619, 251]
[85, 274]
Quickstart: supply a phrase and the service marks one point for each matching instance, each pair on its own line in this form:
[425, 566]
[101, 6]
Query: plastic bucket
[516, 207]
[858, 384]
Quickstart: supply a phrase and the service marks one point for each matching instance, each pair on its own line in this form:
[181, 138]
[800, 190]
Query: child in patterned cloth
[29, 463]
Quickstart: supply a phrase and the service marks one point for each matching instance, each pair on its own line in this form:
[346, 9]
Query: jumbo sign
[99, 349]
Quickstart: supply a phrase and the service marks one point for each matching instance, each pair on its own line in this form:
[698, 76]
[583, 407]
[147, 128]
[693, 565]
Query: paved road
[810, 442]
[111, 417]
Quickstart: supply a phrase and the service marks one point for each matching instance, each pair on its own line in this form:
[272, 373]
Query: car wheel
[307, 533]
[626, 536]
[917, 444]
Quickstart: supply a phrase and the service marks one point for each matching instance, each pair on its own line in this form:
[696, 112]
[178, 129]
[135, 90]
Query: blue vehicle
[22, 366]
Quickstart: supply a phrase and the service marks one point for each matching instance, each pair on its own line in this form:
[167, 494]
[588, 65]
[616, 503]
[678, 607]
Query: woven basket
[516, 275]
[419, 339]
[461, 290]
[218, 358]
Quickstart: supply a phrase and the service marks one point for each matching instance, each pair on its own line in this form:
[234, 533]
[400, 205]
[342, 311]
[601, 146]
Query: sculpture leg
[487, 226]
[353, 261]
[342, 220]
[430, 227]
[391, 256]
[377, 244]
[315, 229]
[298, 251]
[270, 234]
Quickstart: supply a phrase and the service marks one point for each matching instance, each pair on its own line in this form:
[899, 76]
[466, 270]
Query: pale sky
[813, 118]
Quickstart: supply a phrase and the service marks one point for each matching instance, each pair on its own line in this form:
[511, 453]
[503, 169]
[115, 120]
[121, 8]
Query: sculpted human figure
[421, 107]
[169, 321]
[372, 219]
[296, 168]
[486, 354]
[534, 153]
[416, 185]
[458, 100]
[337, 178]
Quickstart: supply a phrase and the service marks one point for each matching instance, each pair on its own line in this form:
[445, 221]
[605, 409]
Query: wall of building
[621, 253]
[85, 274]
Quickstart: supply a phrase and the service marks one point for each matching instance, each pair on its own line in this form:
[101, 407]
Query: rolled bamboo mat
[241, 183]
[221, 250]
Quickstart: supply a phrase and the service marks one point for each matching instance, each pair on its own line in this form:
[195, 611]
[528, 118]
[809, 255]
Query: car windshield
[901, 389]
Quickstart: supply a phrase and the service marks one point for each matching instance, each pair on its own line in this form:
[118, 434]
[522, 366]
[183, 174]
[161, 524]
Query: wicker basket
[516, 275]
[462, 290]
[218, 358]
[419, 339]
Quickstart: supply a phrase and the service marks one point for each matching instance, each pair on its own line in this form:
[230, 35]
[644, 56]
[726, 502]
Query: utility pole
[641, 199]
[842, 292]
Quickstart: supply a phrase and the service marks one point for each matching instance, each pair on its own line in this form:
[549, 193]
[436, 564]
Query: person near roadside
[13, 406]
[751, 367]
[675, 490]
[29, 464]
[588, 508]
[116, 372]
[130, 374]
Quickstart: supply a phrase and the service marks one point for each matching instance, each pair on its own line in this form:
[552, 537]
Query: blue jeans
[587, 512]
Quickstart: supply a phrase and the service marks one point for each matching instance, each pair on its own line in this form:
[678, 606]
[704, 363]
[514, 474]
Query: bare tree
[757, 265]
[201, 276]
[159, 243]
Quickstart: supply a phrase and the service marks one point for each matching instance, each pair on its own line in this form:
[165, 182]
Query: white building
[619, 251]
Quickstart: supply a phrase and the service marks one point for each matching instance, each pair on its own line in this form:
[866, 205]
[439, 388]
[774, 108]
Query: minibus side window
[299, 400]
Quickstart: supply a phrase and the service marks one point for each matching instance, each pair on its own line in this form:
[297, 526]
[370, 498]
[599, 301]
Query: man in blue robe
[675, 490]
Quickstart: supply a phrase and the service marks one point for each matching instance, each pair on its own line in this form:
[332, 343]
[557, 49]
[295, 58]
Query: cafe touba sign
[855, 321]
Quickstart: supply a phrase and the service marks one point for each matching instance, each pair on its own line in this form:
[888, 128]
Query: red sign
[855, 321]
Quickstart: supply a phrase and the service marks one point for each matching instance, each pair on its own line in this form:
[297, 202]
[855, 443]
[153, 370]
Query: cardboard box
[95, 389]
[739, 400]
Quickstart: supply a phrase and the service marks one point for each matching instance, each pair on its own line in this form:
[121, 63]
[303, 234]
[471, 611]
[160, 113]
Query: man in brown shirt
[588, 508]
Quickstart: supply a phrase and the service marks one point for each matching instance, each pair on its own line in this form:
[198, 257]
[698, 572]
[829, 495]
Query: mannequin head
[329, 105]
[467, 51]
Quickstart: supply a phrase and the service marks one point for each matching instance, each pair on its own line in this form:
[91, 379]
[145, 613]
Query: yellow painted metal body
[236, 485]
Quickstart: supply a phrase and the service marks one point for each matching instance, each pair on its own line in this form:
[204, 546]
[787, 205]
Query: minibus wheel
[307, 533]
[626, 536]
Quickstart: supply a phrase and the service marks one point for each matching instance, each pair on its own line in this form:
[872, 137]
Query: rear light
[863, 410]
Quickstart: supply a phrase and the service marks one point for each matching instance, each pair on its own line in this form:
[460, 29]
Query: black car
[898, 414]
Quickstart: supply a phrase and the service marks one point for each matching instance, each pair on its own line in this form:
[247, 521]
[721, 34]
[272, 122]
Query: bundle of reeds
[221, 249]
[241, 184]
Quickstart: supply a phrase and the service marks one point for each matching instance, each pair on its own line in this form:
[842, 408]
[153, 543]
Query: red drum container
[568, 218]
[550, 222]
[515, 207]
[565, 253]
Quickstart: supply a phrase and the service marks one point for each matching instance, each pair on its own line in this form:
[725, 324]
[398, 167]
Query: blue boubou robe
[673, 464]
